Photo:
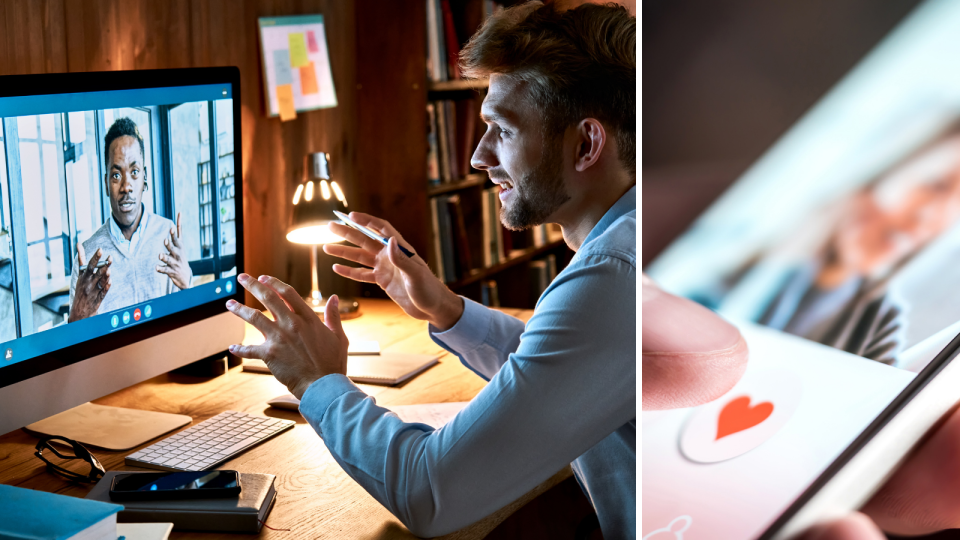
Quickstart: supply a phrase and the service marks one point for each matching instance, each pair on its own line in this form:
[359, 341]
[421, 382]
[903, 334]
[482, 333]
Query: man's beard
[538, 194]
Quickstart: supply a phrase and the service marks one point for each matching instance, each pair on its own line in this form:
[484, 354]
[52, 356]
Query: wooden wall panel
[370, 145]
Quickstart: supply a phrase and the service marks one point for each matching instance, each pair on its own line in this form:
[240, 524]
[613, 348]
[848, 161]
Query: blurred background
[723, 80]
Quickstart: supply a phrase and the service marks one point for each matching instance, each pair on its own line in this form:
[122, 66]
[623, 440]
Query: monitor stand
[110, 428]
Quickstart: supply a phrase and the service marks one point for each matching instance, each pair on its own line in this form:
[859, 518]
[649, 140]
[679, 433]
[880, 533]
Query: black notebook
[244, 514]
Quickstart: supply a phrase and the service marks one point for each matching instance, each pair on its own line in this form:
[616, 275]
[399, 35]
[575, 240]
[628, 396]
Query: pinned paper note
[281, 66]
[298, 49]
[285, 102]
[308, 79]
[295, 55]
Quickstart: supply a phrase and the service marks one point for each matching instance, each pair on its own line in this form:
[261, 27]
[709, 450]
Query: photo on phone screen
[174, 485]
[836, 256]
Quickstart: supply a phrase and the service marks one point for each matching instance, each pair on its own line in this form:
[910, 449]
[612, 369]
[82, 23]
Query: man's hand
[175, 264]
[298, 348]
[92, 285]
[691, 356]
[407, 280]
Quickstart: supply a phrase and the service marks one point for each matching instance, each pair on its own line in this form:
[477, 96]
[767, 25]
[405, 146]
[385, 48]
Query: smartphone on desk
[148, 486]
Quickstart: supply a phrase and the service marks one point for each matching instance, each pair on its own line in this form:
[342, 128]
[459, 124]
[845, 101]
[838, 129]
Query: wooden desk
[315, 498]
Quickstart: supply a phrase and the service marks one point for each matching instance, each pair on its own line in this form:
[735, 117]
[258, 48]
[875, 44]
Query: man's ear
[591, 138]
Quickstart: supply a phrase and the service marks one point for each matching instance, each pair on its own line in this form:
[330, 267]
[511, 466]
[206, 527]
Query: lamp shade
[314, 201]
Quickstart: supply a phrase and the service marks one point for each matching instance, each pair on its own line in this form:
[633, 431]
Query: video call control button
[218, 290]
[136, 314]
[114, 321]
[147, 311]
[229, 286]
[8, 355]
[126, 317]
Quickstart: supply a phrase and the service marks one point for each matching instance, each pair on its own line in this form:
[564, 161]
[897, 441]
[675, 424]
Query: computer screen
[119, 211]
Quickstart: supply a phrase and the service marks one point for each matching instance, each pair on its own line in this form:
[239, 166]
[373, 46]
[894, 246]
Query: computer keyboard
[209, 443]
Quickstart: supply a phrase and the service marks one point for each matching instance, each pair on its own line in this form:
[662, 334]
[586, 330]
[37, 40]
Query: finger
[248, 351]
[381, 225]
[922, 495]
[690, 354]
[853, 527]
[179, 228]
[267, 296]
[92, 266]
[166, 270]
[363, 275]
[354, 236]
[252, 316]
[80, 256]
[350, 253]
[331, 319]
[407, 265]
[289, 295]
[174, 240]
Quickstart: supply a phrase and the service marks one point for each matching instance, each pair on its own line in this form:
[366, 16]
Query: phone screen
[836, 256]
[175, 481]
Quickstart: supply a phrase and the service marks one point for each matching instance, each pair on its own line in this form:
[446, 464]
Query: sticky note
[312, 42]
[298, 49]
[308, 79]
[281, 67]
[285, 101]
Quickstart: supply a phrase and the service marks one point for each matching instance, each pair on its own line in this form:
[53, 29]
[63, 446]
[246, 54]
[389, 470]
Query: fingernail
[262, 279]
[243, 278]
[232, 348]
[231, 303]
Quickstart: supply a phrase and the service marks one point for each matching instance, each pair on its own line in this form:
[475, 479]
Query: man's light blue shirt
[562, 391]
[129, 246]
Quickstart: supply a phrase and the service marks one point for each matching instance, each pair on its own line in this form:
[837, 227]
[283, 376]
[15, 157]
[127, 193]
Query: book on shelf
[538, 279]
[466, 122]
[435, 260]
[436, 50]
[492, 229]
[433, 158]
[445, 232]
[451, 41]
[464, 261]
[489, 295]
[451, 134]
[443, 140]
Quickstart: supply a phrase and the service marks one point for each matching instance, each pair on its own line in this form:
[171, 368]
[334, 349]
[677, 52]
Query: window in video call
[117, 208]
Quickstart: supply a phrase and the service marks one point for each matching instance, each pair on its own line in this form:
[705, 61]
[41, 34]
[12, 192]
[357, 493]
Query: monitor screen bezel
[70, 83]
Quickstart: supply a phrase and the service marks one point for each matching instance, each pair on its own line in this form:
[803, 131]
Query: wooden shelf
[516, 257]
[471, 180]
[457, 85]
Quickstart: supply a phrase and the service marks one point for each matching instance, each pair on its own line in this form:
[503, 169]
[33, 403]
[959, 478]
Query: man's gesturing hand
[92, 285]
[175, 262]
[406, 280]
[298, 348]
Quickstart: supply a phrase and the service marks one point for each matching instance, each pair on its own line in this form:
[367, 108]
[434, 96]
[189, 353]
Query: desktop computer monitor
[144, 167]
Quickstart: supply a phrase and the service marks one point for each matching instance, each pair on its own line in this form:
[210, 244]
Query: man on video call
[561, 143]
[143, 256]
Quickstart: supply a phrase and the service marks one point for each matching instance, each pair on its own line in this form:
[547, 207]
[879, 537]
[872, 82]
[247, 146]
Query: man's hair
[123, 126]
[580, 63]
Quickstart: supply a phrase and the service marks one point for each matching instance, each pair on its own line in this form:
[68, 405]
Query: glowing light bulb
[325, 190]
[296, 196]
[309, 194]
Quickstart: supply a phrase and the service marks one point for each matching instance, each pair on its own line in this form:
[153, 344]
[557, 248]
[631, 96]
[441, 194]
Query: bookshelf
[470, 181]
[516, 257]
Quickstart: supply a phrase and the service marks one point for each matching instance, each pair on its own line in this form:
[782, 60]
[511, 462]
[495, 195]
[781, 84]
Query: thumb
[690, 354]
[401, 261]
[331, 317]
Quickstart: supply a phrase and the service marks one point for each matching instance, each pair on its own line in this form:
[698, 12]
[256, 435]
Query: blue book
[27, 514]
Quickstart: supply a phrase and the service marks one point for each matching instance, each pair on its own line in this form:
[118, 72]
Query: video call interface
[113, 215]
[835, 255]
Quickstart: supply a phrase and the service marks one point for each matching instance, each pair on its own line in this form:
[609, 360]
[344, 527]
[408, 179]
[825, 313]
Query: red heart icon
[738, 415]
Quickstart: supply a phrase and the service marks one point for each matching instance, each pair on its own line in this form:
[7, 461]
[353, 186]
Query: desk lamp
[313, 204]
